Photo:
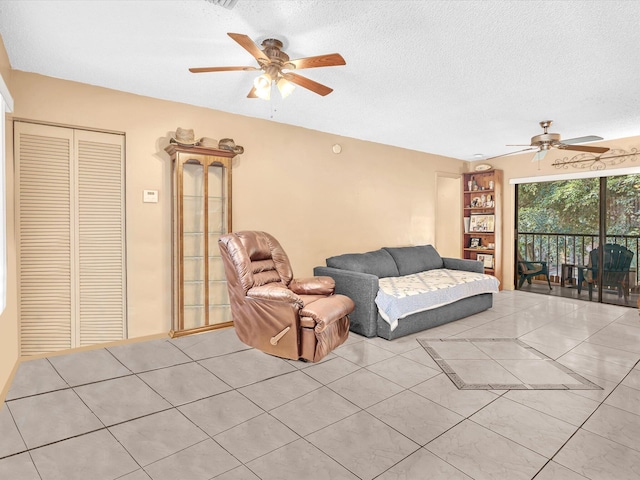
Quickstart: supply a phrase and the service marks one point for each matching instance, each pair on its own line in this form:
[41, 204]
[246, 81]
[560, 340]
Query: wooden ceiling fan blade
[512, 153]
[250, 46]
[252, 93]
[220, 69]
[587, 139]
[309, 84]
[328, 60]
[580, 148]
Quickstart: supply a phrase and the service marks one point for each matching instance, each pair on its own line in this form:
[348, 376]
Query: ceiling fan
[546, 141]
[276, 65]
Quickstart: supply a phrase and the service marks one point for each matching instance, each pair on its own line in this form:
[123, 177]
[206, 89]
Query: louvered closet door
[70, 217]
[100, 242]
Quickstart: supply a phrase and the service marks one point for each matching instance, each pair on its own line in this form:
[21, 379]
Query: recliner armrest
[322, 285]
[327, 311]
[275, 293]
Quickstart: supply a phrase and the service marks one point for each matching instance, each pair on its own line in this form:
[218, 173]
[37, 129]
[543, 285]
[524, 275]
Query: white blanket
[402, 296]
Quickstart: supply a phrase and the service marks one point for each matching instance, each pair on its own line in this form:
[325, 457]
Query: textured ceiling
[454, 78]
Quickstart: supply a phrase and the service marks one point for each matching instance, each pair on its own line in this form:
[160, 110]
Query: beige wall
[288, 182]
[8, 318]
[521, 166]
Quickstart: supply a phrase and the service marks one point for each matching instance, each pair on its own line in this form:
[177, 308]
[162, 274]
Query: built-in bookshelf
[482, 219]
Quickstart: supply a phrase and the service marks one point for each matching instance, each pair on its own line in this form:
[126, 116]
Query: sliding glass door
[560, 227]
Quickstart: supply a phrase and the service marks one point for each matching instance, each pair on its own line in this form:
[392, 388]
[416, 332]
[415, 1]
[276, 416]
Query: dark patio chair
[617, 262]
[527, 270]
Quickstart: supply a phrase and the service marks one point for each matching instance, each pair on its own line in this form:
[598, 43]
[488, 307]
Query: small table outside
[566, 273]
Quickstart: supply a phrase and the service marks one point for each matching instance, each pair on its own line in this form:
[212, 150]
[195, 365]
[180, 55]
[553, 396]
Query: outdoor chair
[617, 262]
[527, 270]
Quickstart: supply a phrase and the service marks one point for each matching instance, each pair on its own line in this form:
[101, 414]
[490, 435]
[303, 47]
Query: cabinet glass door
[193, 246]
[219, 311]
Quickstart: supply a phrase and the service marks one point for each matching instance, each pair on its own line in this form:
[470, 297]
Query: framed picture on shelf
[482, 223]
[475, 242]
[486, 259]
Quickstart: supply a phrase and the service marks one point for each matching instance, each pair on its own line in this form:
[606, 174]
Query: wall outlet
[150, 196]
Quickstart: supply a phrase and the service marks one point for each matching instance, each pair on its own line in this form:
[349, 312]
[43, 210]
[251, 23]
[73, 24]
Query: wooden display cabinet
[201, 195]
[482, 219]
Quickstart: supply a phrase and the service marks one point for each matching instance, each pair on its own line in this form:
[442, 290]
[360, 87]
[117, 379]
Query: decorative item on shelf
[207, 142]
[469, 185]
[475, 183]
[489, 202]
[491, 184]
[491, 245]
[475, 242]
[229, 144]
[482, 223]
[184, 137]
[476, 202]
[486, 259]
[466, 224]
[482, 167]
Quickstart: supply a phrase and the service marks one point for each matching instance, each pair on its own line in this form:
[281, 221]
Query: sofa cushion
[415, 259]
[378, 263]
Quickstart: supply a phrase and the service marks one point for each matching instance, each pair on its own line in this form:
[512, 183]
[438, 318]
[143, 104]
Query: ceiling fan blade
[587, 139]
[539, 155]
[519, 145]
[512, 153]
[328, 60]
[307, 83]
[249, 45]
[252, 93]
[220, 69]
[579, 148]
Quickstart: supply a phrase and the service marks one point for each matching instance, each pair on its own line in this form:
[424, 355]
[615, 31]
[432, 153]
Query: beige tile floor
[208, 407]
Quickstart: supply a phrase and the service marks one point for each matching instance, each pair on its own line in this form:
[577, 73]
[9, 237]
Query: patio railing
[559, 249]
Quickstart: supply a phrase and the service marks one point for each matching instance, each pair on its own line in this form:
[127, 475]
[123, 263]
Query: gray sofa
[357, 275]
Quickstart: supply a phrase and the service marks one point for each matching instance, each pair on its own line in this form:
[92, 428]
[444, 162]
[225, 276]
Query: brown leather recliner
[272, 311]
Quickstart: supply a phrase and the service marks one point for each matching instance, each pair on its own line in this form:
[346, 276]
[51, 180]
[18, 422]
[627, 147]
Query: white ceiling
[455, 78]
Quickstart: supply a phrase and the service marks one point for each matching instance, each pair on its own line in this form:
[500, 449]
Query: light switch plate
[150, 196]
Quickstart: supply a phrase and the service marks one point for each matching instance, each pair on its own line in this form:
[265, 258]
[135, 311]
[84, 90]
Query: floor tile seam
[144, 468]
[65, 438]
[297, 435]
[596, 358]
[409, 438]
[394, 382]
[196, 400]
[328, 455]
[288, 401]
[600, 360]
[31, 449]
[554, 416]
[34, 465]
[610, 439]
[37, 394]
[581, 427]
[380, 376]
[520, 444]
[15, 424]
[95, 381]
[451, 410]
[617, 348]
[595, 375]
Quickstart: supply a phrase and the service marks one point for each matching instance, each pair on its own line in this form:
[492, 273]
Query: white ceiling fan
[546, 141]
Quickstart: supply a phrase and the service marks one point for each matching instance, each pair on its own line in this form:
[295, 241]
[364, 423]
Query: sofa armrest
[276, 294]
[313, 286]
[463, 264]
[362, 288]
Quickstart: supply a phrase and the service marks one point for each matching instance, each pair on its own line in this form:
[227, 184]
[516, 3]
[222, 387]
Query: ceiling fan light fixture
[263, 82]
[285, 87]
